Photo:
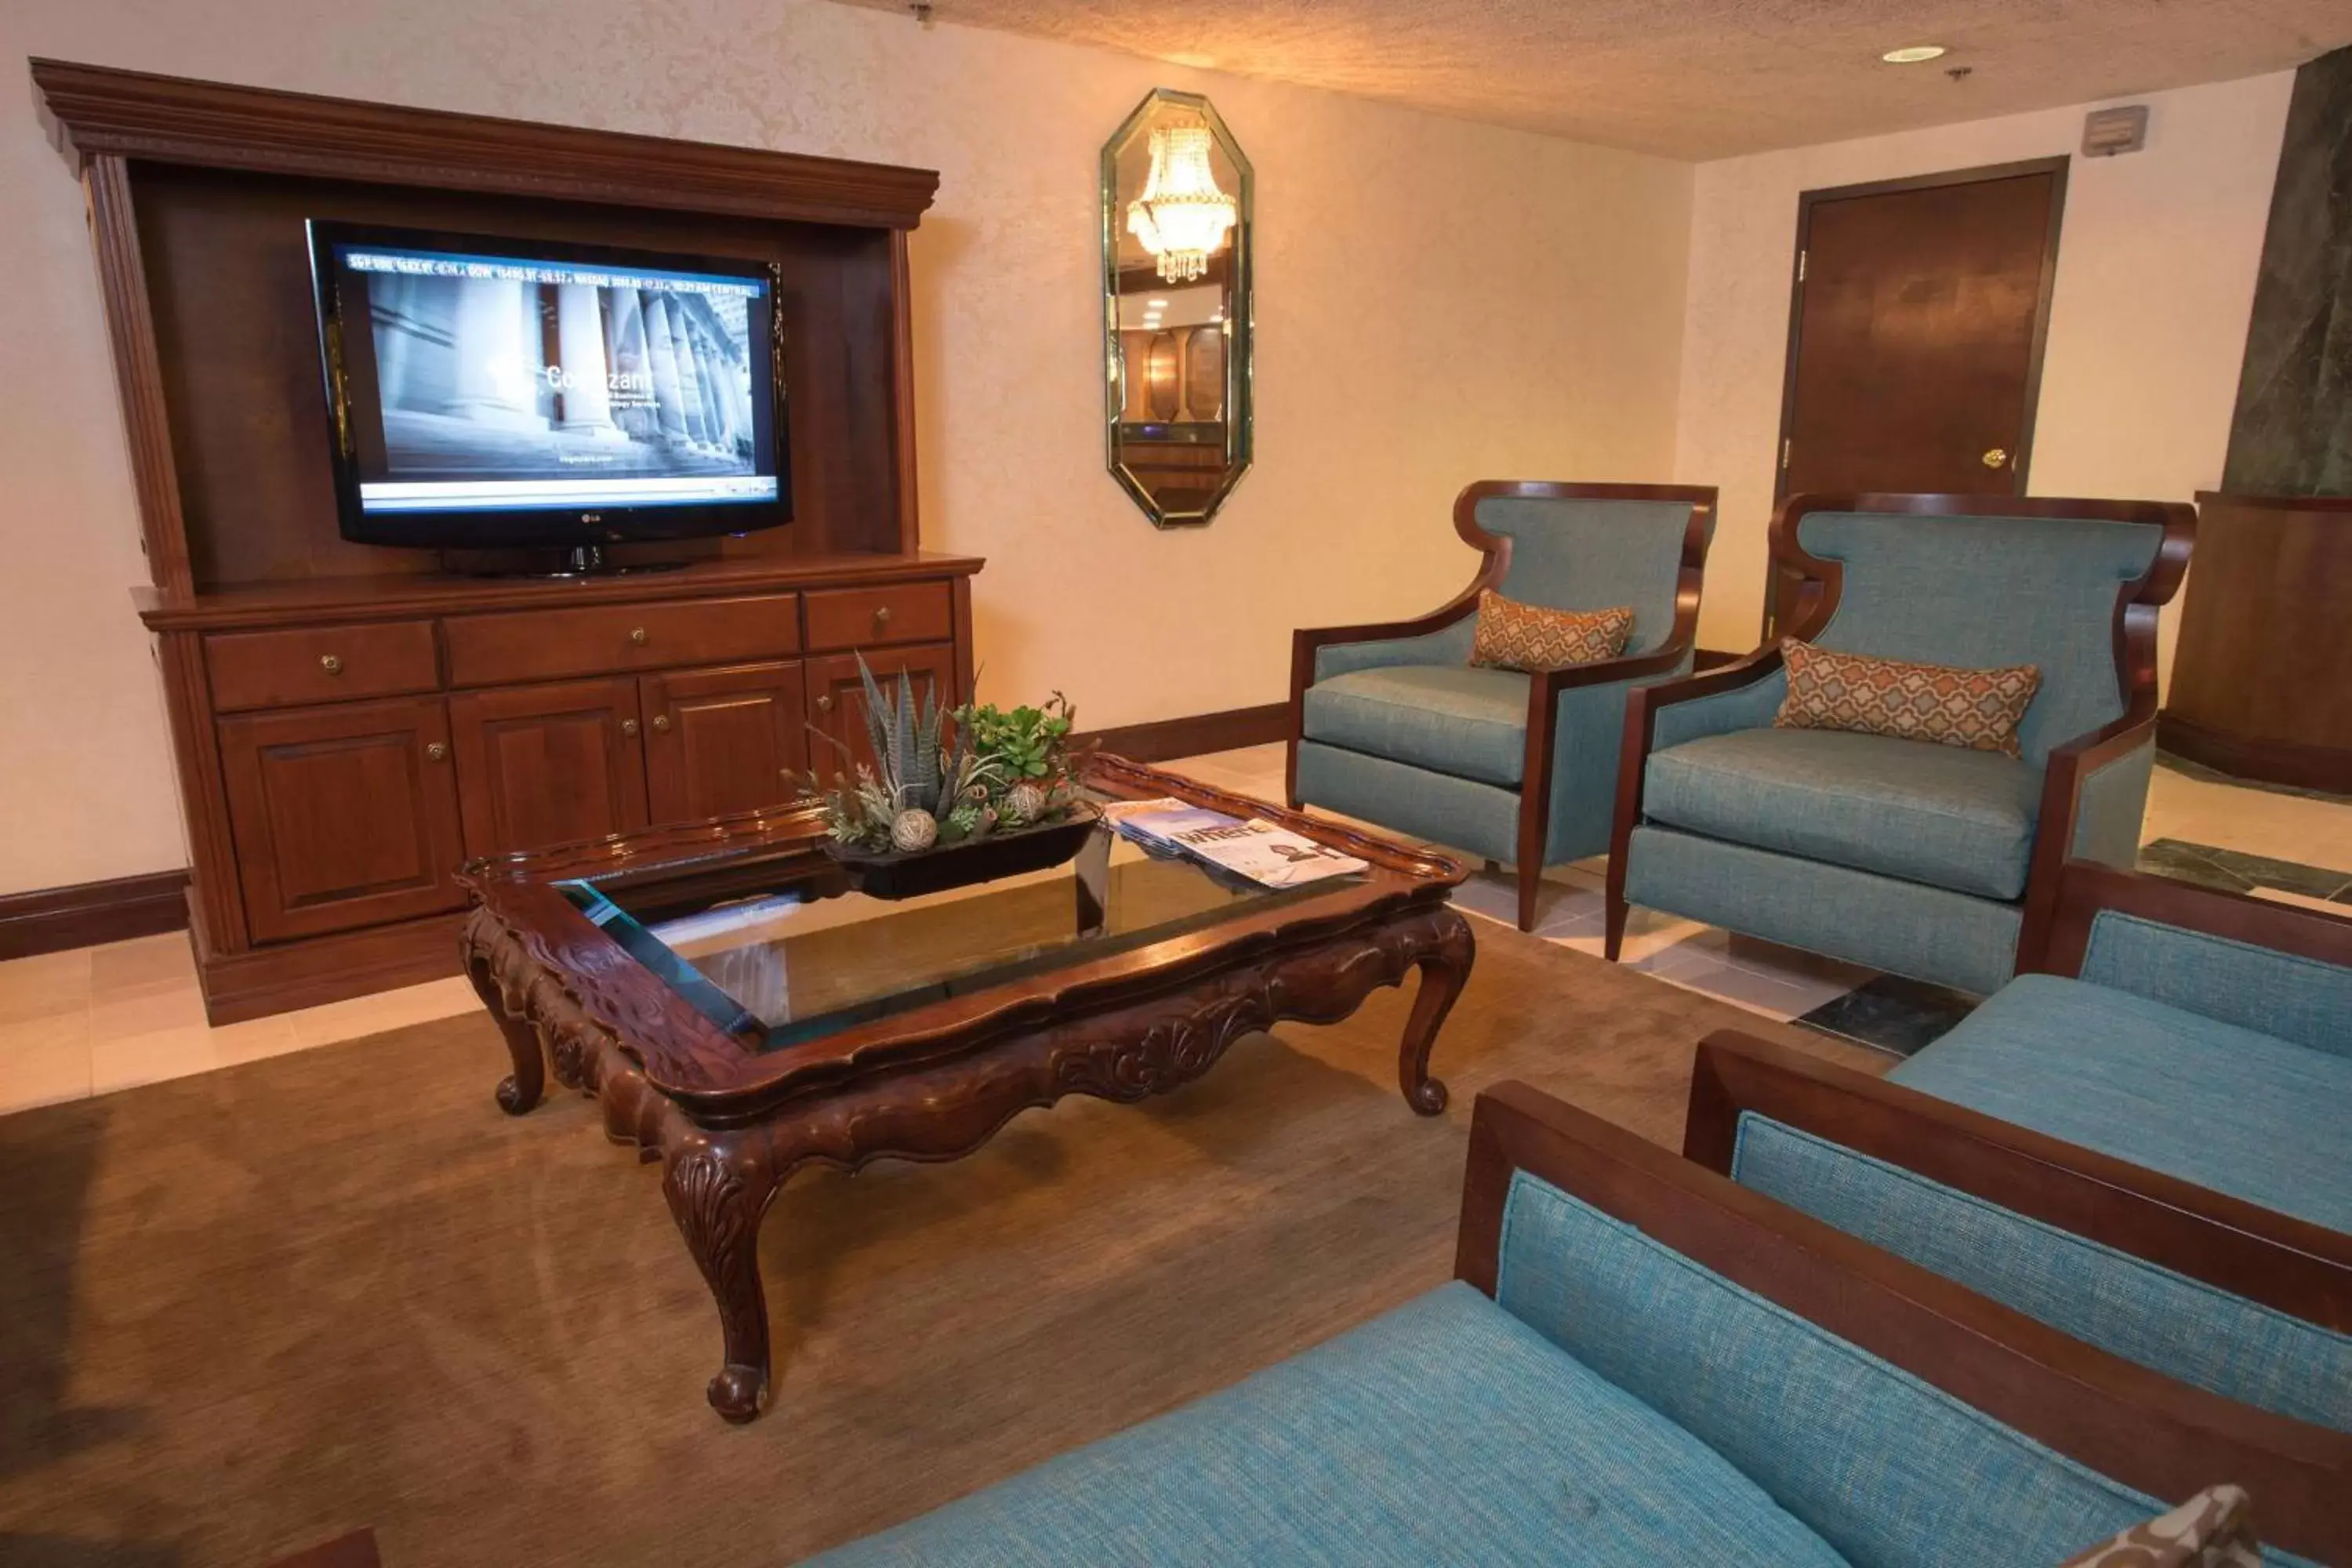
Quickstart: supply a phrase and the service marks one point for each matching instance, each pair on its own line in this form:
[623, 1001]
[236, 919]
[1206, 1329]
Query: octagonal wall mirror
[1176, 228]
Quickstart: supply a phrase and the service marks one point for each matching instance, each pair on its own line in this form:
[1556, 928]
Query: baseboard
[2297, 764]
[1713, 659]
[266, 980]
[51, 919]
[1164, 739]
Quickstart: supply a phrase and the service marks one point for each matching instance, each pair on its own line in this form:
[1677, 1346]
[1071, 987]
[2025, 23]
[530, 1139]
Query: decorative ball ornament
[914, 830]
[1024, 802]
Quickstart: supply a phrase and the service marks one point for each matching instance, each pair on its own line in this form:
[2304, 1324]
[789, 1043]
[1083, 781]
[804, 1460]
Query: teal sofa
[2146, 1141]
[1922, 859]
[1391, 723]
[1640, 1362]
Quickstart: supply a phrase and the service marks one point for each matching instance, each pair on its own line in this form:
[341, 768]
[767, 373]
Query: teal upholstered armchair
[1923, 860]
[1391, 723]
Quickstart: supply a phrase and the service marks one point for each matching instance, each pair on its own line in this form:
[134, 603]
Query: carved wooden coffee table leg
[718, 1189]
[1445, 966]
[527, 1085]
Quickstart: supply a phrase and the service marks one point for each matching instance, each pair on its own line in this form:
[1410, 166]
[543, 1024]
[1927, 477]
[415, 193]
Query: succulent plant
[912, 773]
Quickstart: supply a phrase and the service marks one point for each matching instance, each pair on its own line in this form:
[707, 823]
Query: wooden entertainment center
[351, 721]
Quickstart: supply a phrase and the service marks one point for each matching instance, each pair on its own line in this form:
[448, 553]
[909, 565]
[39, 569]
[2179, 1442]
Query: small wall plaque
[2107, 131]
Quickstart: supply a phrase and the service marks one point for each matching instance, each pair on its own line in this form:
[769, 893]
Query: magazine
[1269, 856]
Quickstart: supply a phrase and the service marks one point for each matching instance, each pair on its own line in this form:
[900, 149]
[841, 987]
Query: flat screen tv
[497, 392]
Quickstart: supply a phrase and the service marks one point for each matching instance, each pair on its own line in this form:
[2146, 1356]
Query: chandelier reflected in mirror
[1176, 215]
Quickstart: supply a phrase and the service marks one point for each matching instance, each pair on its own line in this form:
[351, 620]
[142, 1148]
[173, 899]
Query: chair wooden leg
[1530, 883]
[1613, 935]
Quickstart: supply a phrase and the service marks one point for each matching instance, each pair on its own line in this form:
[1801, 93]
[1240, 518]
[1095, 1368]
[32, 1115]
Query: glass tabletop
[780, 952]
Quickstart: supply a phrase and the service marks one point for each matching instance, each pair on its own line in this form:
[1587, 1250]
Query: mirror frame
[1240, 315]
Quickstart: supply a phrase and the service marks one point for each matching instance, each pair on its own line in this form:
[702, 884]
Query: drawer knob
[330, 664]
[628, 726]
[436, 753]
[637, 636]
[882, 615]
[825, 704]
[661, 724]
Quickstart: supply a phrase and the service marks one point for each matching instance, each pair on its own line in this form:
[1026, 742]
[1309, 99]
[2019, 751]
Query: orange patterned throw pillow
[1977, 709]
[1512, 635]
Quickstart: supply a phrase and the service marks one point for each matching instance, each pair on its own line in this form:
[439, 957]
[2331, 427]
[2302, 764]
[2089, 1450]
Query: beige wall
[1518, 300]
[2147, 322]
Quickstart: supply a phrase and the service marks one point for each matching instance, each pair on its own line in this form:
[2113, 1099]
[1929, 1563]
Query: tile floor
[102, 1018]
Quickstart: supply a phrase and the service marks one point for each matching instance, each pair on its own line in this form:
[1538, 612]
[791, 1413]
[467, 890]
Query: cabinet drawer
[847, 618]
[319, 664]
[604, 639]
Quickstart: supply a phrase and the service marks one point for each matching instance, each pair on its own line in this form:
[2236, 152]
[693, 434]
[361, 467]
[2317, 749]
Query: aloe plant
[912, 771]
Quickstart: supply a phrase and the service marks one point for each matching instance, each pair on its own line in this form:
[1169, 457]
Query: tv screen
[495, 393]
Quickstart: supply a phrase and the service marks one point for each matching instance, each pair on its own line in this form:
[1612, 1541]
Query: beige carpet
[243, 1313]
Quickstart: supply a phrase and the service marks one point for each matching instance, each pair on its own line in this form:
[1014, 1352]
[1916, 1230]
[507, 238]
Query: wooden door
[838, 697]
[343, 816]
[725, 739]
[1916, 332]
[547, 764]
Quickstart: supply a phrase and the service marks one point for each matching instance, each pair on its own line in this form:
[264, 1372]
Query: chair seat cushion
[1445, 1431]
[1952, 818]
[1471, 723]
[2212, 1104]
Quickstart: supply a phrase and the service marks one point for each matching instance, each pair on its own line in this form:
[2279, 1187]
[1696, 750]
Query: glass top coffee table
[740, 1009]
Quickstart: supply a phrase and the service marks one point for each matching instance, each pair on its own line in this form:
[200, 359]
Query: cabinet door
[546, 765]
[343, 816]
[724, 740]
[839, 697]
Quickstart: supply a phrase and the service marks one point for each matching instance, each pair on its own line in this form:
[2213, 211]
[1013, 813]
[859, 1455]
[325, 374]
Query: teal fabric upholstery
[1445, 1431]
[1912, 810]
[1741, 708]
[1449, 645]
[2210, 1102]
[1481, 818]
[1454, 719]
[2300, 1000]
[1906, 928]
[2125, 1305]
[1402, 732]
[1595, 555]
[1987, 590]
[2112, 807]
[1889, 1470]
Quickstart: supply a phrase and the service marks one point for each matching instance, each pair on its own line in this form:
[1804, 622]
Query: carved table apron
[566, 998]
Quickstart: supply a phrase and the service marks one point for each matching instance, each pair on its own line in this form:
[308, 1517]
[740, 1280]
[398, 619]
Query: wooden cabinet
[342, 817]
[837, 694]
[723, 741]
[543, 764]
[546, 645]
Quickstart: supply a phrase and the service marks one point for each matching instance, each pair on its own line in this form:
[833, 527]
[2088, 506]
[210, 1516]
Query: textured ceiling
[1696, 79]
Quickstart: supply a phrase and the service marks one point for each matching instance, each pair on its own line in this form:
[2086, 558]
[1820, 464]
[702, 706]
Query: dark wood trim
[95, 112]
[1544, 690]
[260, 981]
[1705, 658]
[2057, 167]
[138, 373]
[2084, 887]
[2123, 1421]
[357, 1549]
[1193, 735]
[52, 920]
[2283, 1263]
[2137, 605]
[2294, 763]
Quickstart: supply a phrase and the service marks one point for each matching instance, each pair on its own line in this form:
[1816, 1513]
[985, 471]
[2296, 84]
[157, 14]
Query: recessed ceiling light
[1914, 54]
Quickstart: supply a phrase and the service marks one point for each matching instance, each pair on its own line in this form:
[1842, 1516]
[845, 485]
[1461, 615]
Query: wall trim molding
[50, 920]
[1164, 739]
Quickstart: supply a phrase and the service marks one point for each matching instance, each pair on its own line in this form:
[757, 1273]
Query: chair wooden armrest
[2080, 889]
[2123, 1421]
[2288, 1264]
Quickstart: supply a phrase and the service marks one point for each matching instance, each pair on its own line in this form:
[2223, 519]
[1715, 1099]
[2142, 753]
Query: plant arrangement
[947, 776]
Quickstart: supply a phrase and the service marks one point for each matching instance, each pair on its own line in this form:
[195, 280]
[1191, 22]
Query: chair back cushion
[1987, 591]
[1976, 710]
[1578, 553]
[2125, 1305]
[1888, 1469]
[1512, 635]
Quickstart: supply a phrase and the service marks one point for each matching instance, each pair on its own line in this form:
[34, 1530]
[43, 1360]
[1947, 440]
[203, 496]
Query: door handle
[1995, 457]
[628, 726]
